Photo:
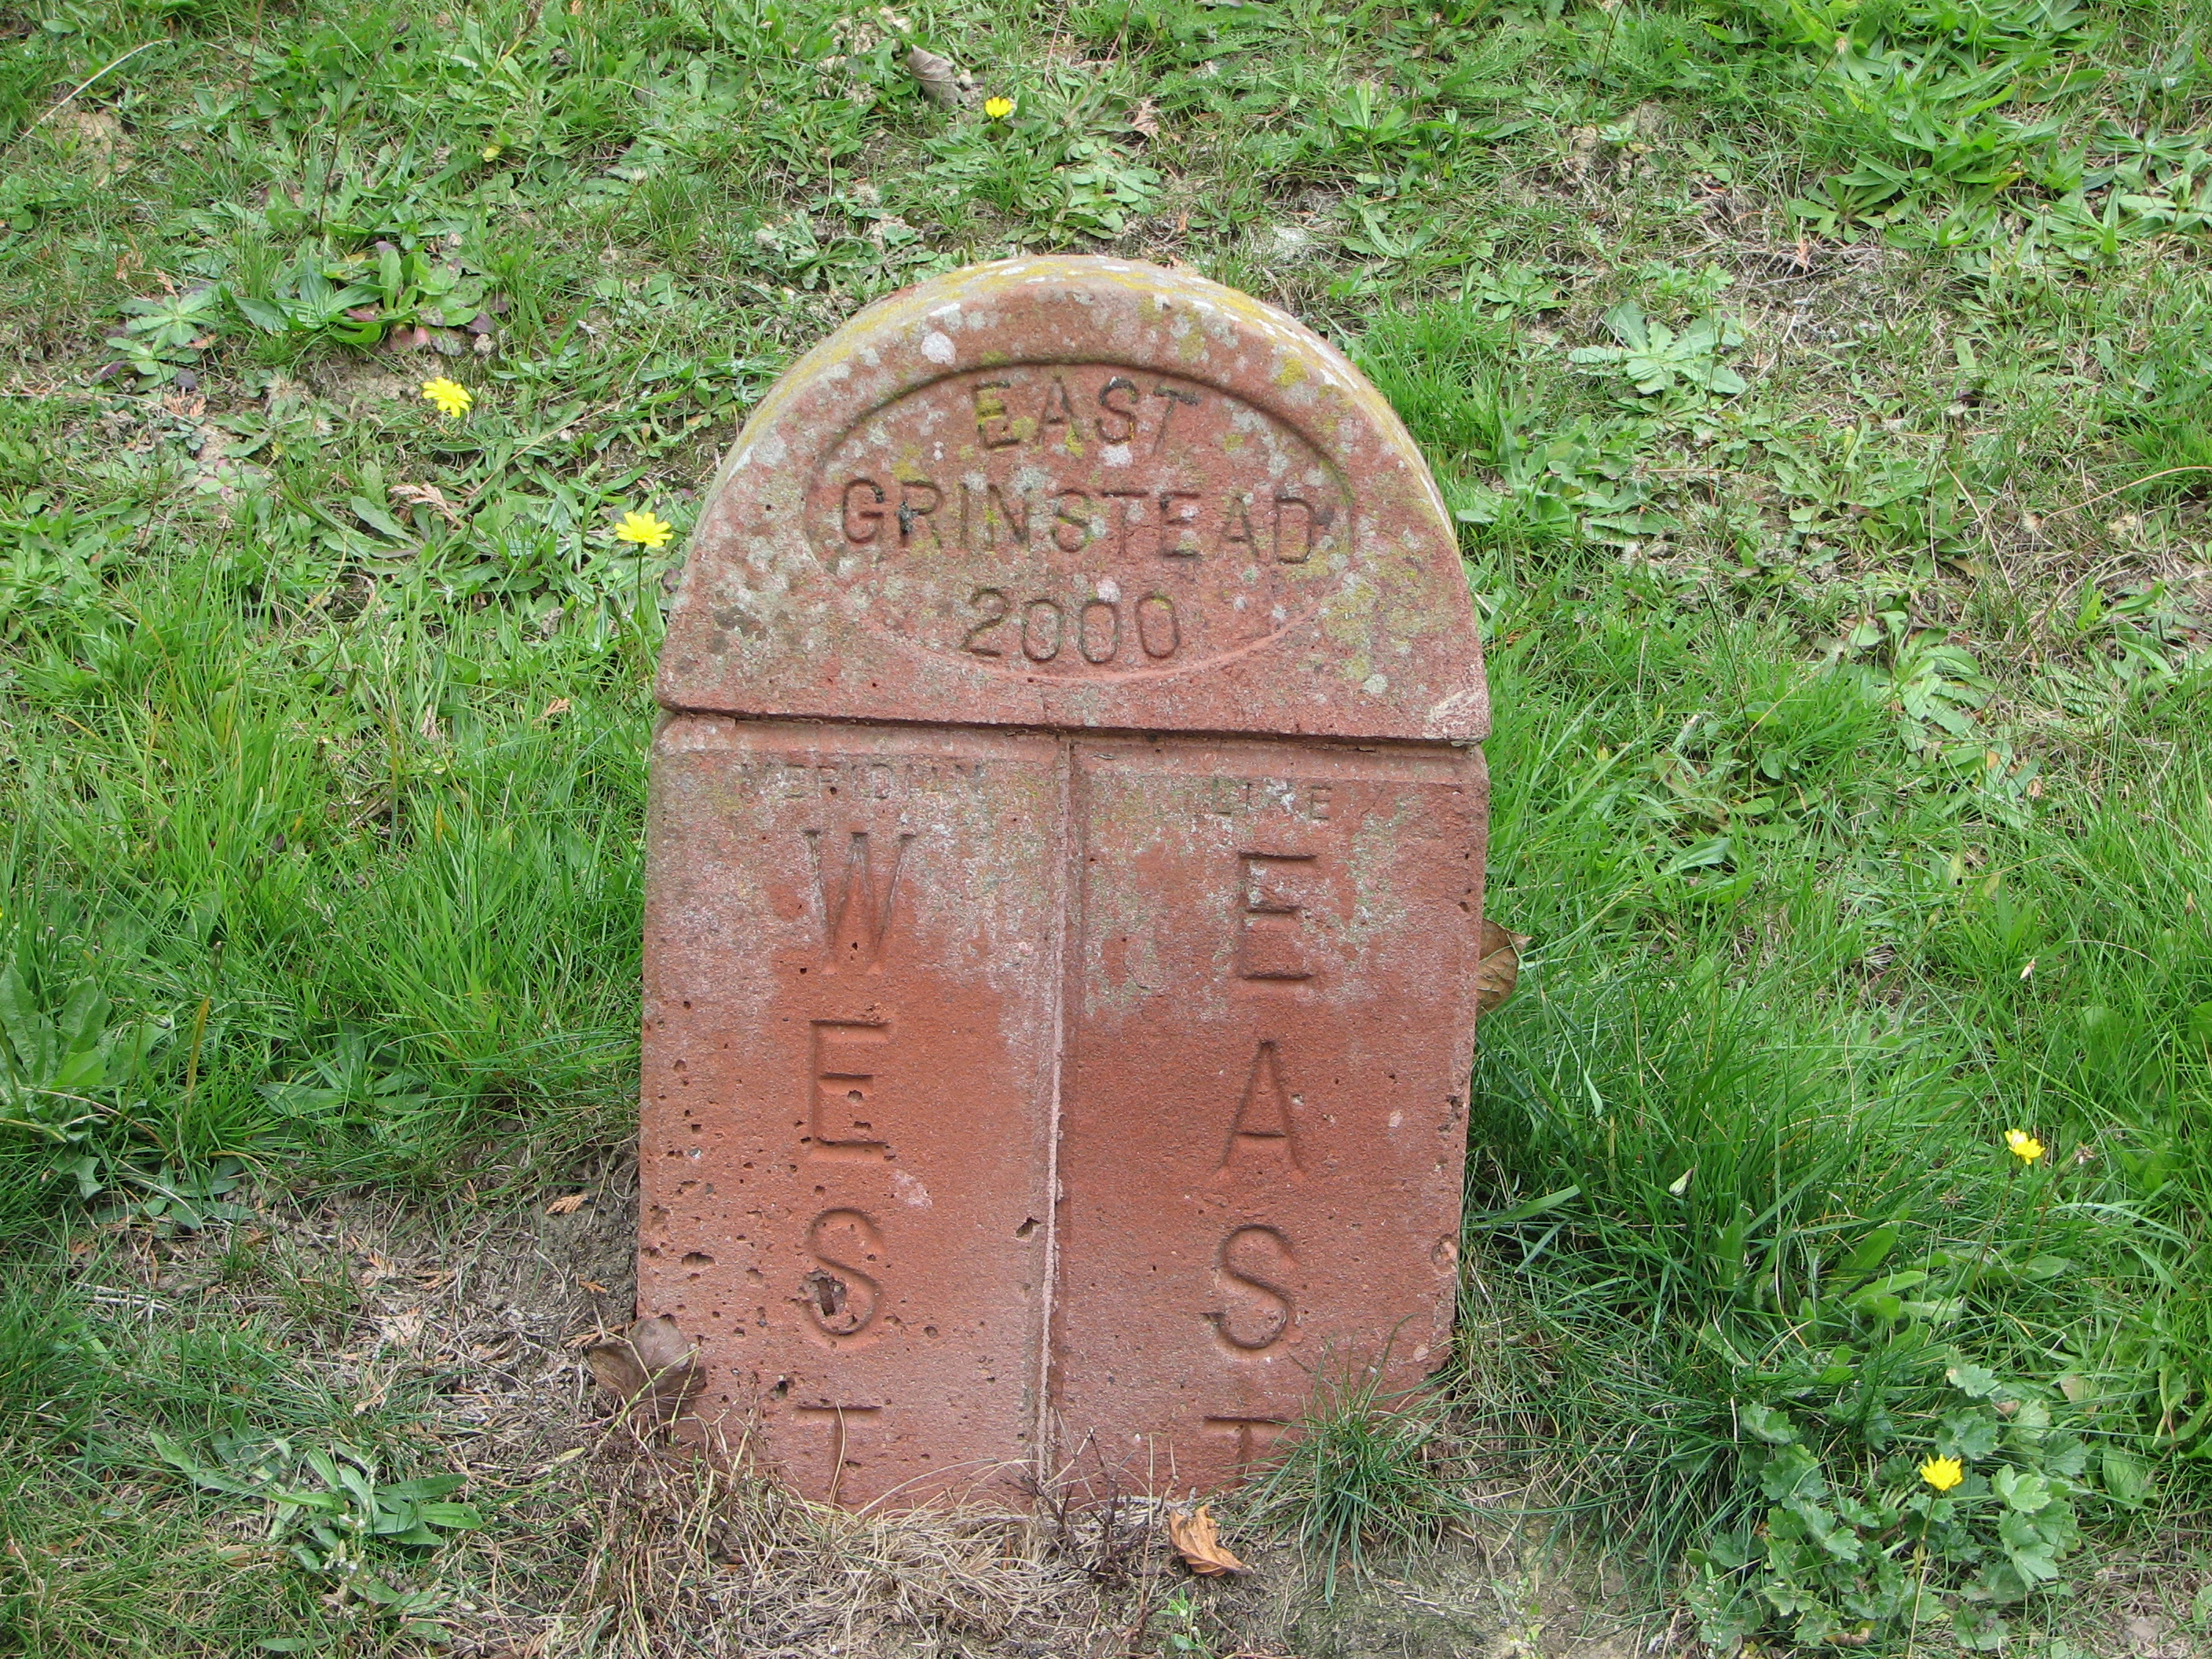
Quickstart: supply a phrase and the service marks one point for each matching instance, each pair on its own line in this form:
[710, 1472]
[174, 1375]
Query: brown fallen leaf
[428, 495]
[1500, 965]
[1199, 1542]
[568, 1205]
[653, 1365]
[940, 76]
[94, 141]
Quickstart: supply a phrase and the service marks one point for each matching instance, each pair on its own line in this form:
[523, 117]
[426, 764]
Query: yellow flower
[1942, 1473]
[998, 108]
[451, 396]
[2023, 1146]
[643, 529]
[491, 152]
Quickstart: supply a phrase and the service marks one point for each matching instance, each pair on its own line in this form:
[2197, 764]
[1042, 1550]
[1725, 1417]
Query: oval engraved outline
[1082, 631]
[1026, 671]
[1059, 629]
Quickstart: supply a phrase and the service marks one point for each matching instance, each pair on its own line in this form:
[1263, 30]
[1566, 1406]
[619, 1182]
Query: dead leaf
[401, 1330]
[428, 495]
[1199, 1542]
[93, 140]
[1581, 147]
[653, 1363]
[940, 76]
[2145, 1629]
[1144, 119]
[568, 1205]
[1498, 967]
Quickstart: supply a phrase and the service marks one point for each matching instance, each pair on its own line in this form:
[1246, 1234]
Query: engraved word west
[841, 1290]
[1065, 873]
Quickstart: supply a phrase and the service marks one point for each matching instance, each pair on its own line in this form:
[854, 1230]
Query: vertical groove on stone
[1065, 877]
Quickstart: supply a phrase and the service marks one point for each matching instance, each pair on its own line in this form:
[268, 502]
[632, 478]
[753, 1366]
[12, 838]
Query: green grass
[1818, 384]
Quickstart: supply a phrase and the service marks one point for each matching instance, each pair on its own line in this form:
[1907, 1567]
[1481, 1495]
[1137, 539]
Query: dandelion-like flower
[643, 529]
[998, 109]
[451, 396]
[2023, 1146]
[1942, 1473]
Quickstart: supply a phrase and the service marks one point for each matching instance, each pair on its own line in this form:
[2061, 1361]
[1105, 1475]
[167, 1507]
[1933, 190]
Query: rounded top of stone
[1078, 492]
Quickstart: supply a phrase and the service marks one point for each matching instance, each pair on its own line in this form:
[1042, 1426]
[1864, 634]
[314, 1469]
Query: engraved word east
[1085, 520]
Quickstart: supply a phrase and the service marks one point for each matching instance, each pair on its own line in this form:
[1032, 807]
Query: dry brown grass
[459, 1332]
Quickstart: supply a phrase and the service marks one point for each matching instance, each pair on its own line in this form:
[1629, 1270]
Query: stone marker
[1065, 879]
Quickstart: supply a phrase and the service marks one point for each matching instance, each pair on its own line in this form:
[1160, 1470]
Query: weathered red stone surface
[1065, 877]
[849, 1042]
[1111, 496]
[1263, 1144]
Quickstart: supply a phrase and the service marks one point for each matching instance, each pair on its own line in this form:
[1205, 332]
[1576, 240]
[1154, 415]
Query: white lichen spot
[1375, 685]
[1114, 454]
[910, 1190]
[937, 346]
[1110, 591]
[1397, 1120]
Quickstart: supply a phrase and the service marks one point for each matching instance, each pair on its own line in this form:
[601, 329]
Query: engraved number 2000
[1040, 629]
